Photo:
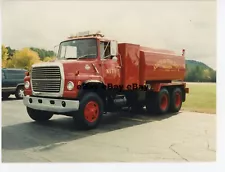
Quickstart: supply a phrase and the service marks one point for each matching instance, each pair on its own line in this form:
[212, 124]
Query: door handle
[118, 67]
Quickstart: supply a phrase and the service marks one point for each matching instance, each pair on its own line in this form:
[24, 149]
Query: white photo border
[180, 167]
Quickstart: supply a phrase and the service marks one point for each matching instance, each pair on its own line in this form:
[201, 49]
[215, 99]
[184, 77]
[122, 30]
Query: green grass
[201, 98]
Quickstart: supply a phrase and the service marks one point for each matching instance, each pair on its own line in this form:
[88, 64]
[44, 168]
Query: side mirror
[113, 48]
[56, 48]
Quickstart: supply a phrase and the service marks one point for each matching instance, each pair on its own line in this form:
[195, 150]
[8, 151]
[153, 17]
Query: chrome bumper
[52, 105]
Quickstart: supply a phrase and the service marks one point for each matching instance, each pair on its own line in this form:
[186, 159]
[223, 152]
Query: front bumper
[50, 104]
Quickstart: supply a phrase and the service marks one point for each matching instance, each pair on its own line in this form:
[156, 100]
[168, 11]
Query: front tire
[19, 92]
[39, 116]
[90, 111]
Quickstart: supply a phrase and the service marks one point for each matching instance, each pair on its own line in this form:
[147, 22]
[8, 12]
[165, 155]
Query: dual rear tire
[176, 100]
[165, 101]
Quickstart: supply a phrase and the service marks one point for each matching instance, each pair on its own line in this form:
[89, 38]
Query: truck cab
[91, 76]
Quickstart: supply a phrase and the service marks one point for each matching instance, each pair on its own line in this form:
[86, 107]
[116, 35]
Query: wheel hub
[177, 99]
[91, 111]
[164, 102]
[21, 93]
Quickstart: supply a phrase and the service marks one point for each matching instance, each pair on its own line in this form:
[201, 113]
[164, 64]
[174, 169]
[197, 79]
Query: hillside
[199, 72]
[193, 64]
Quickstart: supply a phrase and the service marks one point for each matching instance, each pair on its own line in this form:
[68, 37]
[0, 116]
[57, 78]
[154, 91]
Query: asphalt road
[121, 137]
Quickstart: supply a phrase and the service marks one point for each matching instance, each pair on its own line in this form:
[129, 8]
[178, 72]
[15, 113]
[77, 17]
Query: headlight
[70, 85]
[27, 84]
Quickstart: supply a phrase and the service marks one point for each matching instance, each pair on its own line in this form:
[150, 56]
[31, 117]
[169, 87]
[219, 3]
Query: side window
[102, 50]
[14, 74]
[105, 50]
[3, 75]
[11, 74]
[21, 74]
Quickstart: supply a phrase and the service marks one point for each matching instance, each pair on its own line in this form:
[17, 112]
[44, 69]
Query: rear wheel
[19, 92]
[38, 115]
[90, 111]
[176, 100]
[5, 95]
[158, 102]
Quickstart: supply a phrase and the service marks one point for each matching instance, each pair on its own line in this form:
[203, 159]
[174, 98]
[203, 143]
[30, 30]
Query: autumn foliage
[23, 58]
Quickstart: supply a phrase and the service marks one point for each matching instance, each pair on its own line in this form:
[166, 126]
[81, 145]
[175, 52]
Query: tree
[43, 53]
[24, 59]
[213, 76]
[206, 75]
[5, 56]
[10, 51]
[48, 59]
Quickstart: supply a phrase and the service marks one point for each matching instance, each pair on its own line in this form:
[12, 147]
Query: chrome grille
[46, 79]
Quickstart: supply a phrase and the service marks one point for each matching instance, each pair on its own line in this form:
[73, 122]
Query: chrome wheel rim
[21, 93]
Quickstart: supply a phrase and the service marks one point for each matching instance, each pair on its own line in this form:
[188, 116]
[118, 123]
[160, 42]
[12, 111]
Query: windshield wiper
[84, 56]
[70, 58]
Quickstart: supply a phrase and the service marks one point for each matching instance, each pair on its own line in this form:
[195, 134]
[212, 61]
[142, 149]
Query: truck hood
[83, 66]
[72, 67]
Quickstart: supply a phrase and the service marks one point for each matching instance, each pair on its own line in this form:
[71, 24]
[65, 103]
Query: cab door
[111, 69]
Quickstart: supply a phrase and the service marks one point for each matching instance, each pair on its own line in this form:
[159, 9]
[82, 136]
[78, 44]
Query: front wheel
[38, 115]
[19, 92]
[90, 111]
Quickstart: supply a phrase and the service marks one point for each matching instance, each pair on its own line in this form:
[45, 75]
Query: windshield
[76, 49]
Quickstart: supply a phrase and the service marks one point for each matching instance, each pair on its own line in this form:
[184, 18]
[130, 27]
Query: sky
[171, 25]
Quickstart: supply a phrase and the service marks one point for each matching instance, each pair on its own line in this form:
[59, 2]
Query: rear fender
[20, 85]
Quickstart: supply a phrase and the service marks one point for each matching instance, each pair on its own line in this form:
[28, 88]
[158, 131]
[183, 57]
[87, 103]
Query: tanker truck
[94, 75]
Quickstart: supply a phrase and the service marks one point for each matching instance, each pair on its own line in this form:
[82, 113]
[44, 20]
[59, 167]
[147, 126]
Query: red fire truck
[94, 75]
